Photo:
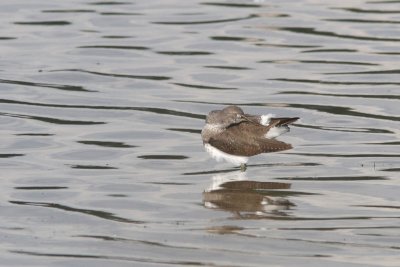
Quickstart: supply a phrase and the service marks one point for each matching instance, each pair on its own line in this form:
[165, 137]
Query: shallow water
[101, 110]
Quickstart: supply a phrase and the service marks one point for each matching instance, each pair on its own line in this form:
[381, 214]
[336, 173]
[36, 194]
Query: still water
[101, 109]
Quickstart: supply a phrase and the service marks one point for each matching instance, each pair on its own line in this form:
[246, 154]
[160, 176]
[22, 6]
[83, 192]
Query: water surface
[101, 110]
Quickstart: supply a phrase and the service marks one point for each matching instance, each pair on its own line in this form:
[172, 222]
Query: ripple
[117, 195]
[40, 187]
[391, 170]
[388, 53]
[92, 167]
[145, 242]
[163, 111]
[69, 11]
[333, 82]
[44, 23]
[109, 3]
[163, 157]
[116, 36]
[127, 47]
[170, 112]
[185, 53]
[212, 171]
[334, 155]
[343, 111]
[338, 228]
[335, 178]
[384, 2]
[338, 218]
[341, 95]
[48, 85]
[394, 143]
[115, 258]
[373, 11]
[139, 77]
[346, 129]
[197, 86]
[11, 155]
[288, 218]
[51, 120]
[235, 39]
[204, 21]
[331, 50]
[105, 144]
[194, 131]
[329, 62]
[7, 38]
[227, 4]
[364, 21]
[293, 164]
[313, 31]
[286, 45]
[168, 183]
[394, 71]
[120, 14]
[96, 213]
[227, 67]
[380, 206]
[34, 134]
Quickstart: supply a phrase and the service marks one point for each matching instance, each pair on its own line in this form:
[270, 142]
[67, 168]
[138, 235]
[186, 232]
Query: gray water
[101, 109]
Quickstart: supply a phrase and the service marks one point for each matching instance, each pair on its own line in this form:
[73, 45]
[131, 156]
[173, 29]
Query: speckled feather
[247, 139]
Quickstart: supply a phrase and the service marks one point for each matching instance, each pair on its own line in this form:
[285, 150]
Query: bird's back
[247, 139]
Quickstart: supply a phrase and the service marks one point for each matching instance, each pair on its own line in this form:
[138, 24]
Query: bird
[231, 135]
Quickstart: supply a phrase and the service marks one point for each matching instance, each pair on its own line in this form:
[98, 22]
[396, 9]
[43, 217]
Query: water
[102, 104]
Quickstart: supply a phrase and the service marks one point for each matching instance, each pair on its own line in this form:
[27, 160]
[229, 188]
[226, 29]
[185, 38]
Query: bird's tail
[277, 122]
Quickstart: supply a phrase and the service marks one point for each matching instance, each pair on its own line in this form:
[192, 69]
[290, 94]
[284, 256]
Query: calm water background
[101, 108]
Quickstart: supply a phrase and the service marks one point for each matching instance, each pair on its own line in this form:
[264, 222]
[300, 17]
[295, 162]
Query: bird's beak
[245, 118]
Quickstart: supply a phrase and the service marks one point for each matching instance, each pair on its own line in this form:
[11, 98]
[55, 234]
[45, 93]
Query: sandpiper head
[233, 110]
[224, 119]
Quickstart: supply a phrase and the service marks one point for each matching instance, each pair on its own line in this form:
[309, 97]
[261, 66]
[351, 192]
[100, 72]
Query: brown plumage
[242, 135]
[247, 139]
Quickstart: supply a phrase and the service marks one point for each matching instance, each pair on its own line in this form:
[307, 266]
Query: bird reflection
[247, 199]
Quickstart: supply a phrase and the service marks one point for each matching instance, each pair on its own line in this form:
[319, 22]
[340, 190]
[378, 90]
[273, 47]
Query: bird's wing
[272, 121]
[282, 121]
[246, 139]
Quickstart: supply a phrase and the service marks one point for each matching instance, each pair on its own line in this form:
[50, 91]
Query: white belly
[220, 155]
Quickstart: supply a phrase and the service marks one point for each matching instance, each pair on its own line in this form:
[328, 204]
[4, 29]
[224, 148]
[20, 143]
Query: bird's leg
[243, 167]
